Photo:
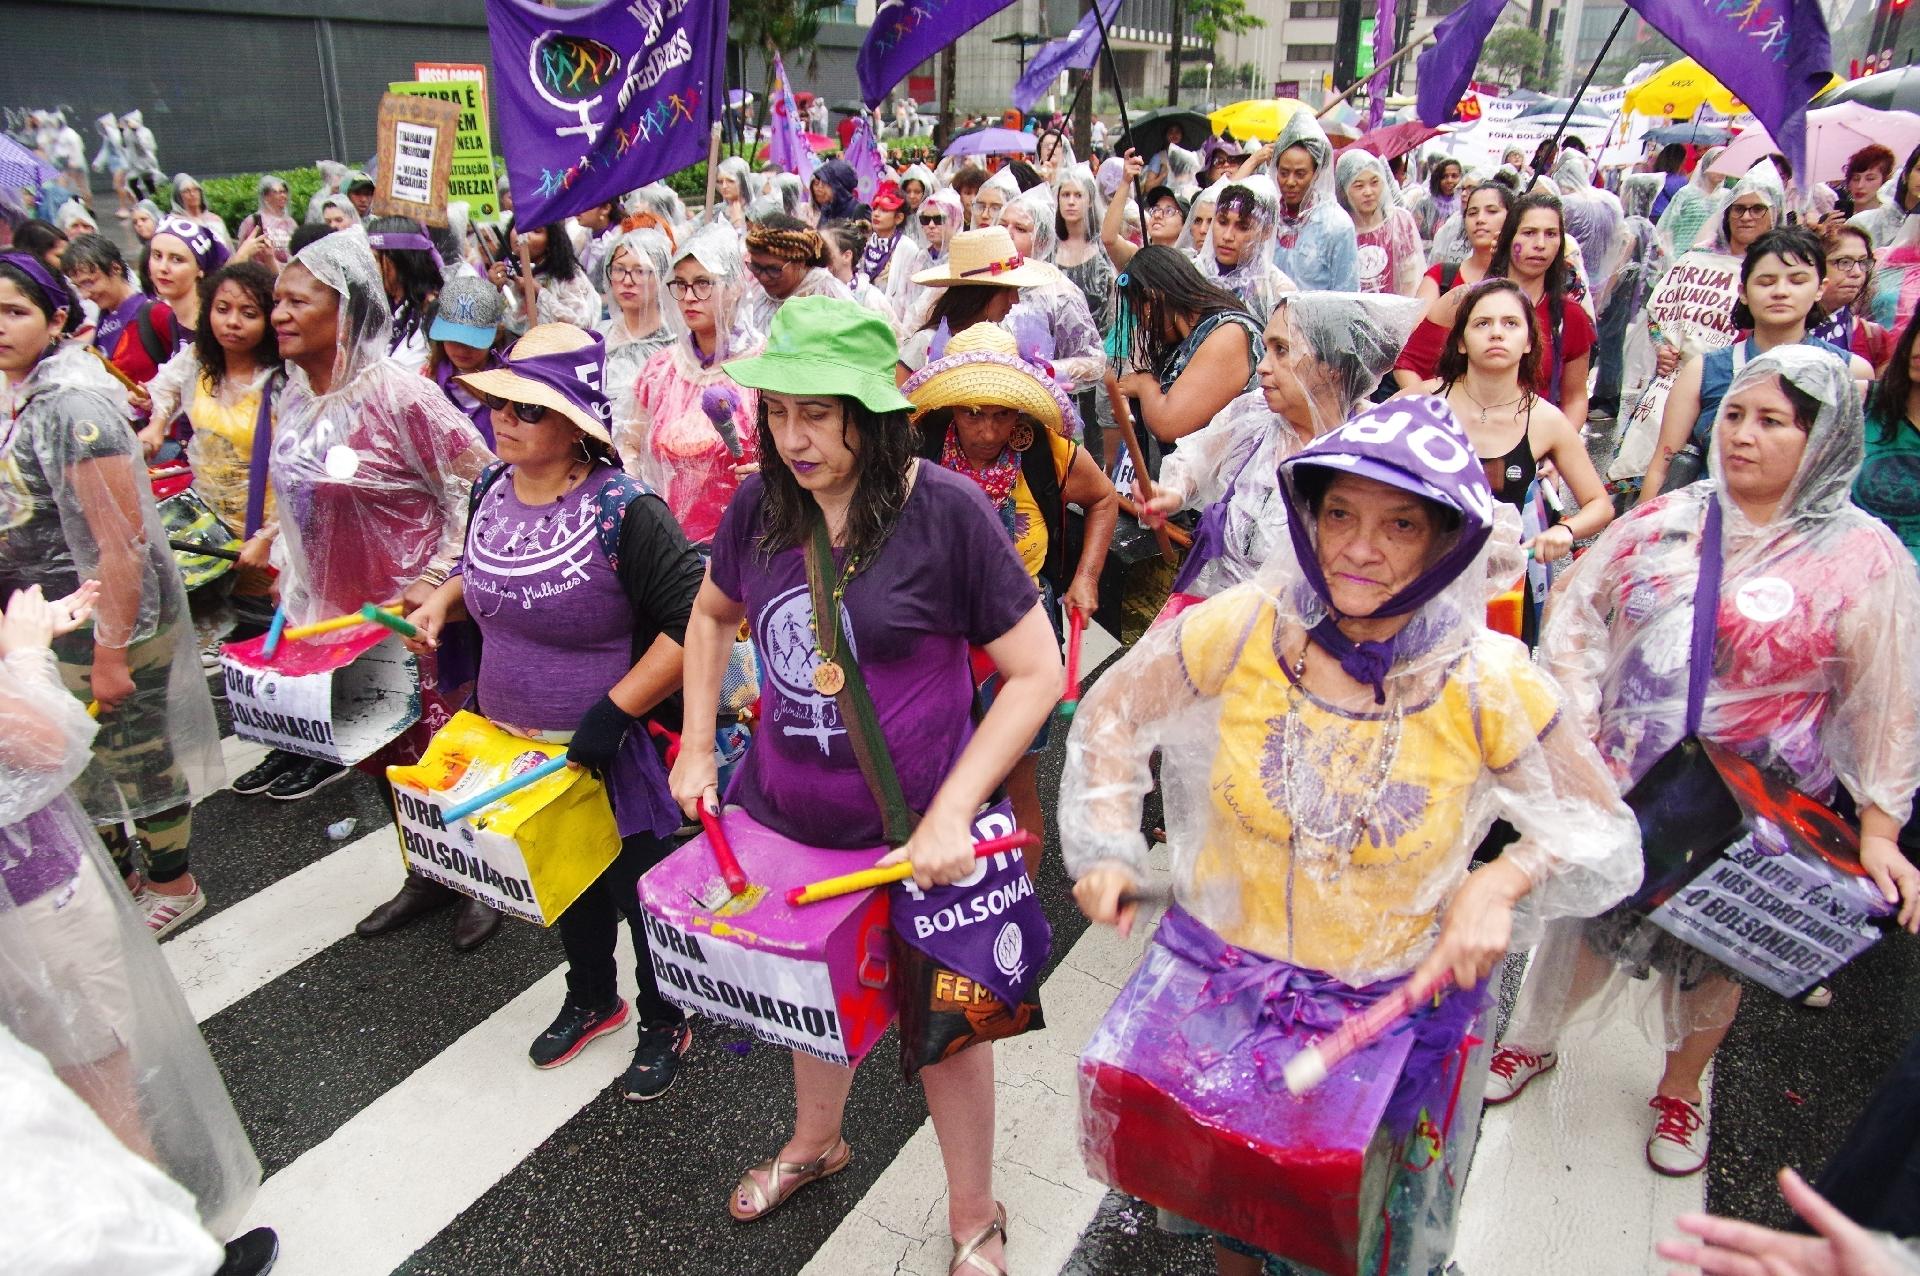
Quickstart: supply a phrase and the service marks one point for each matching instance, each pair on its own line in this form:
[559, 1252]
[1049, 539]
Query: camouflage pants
[133, 765]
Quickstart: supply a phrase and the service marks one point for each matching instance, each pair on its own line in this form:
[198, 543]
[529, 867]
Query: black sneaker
[575, 1026]
[308, 777]
[251, 1255]
[656, 1060]
[276, 764]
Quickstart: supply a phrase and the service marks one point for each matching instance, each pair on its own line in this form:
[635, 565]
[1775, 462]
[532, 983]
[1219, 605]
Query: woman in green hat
[920, 567]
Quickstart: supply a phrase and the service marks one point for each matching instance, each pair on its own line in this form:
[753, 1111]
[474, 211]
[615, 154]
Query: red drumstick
[1076, 630]
[1310, 1067]
[723, 855]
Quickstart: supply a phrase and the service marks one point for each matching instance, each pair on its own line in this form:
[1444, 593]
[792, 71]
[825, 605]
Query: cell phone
[1844, 206]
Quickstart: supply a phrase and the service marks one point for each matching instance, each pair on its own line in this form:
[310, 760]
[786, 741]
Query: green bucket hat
[824, 345]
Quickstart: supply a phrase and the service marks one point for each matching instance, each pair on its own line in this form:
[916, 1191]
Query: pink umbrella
[1394, 140]
[1834, 133]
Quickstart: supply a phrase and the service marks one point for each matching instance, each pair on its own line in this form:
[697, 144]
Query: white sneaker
[167, 913]
[1678, 1146]
[1818, 997]
[1511, 1069]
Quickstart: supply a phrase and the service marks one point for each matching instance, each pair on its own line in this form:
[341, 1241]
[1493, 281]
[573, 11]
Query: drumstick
[1076, 629]
[211, 551]
[504, 789]
[392, 620]
[1174, 534]
[93, 708]
[1161, 533]
[274, 632]
[736, 877]
[848, 883]
[1310, 1067]
[347, 621]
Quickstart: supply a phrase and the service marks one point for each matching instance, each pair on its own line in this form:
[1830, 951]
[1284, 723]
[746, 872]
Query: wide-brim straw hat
[541, 343]
[987, 257]
[982, 368]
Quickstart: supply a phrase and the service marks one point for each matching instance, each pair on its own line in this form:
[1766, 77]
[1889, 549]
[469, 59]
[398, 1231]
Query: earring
[586, 457]
[1022, 437]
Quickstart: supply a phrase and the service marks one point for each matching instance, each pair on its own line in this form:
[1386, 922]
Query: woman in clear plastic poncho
[1324, 354]
[1386, 235]
[1199, 220]
[1077, 250]
[635, 284]
[1817, 652]
[1313, 238]
[1072, 344]
[81, 981]
[1237, 253]
[732, 193]
[75, 505]
[1335, 739]
[1693, 205]
[691, 431]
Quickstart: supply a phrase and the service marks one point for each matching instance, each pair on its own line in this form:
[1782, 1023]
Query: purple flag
[987, 926]
[906, 33]
[1074, 51]
[1773, 53]
[1441, 73]
[1383, 15]
[868, 164]
[593, 103]
[786, 147]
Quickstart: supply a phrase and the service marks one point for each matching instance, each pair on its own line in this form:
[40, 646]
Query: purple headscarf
[205, 246]
[50, 283]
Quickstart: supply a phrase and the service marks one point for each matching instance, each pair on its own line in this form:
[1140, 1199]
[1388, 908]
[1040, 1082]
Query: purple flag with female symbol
[1775, 54]
[906, 33]
[786, 145]
[593, 103]
[1075, 51]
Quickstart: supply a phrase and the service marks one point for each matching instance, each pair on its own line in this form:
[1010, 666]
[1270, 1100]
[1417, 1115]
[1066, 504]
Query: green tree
[1512, 54]
[1211, 19]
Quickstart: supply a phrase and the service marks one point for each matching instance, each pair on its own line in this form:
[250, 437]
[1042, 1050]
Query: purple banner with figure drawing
[592, 103]
[906, 33]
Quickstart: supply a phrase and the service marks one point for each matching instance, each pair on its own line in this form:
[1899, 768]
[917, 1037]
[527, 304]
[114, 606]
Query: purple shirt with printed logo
[946, 577]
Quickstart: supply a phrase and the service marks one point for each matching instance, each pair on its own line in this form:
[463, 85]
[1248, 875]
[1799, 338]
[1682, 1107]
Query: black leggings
[590, 930]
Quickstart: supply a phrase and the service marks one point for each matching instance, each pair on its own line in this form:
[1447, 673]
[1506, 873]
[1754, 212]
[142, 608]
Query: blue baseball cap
[469, 312]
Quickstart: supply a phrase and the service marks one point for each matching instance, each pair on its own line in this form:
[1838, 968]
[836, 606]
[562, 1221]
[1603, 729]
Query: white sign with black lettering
[480, 864]
[305, 704]
[785, 1000]
[413, 153]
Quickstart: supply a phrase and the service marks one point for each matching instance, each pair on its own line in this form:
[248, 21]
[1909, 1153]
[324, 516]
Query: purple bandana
[1417, 446]
[207, 250]
[407, 241]
[572, 374]
[53, 285]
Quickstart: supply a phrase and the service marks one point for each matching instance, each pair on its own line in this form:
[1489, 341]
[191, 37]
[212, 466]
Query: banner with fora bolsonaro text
[592, 103]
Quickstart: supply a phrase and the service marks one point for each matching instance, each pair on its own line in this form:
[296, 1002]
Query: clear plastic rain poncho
[372, 477]
[924, 175]
[333, 175]
[1254, 278]
[674, 439]
[1635, 259]
[1314, 245]
[911, 301]
[736, 167]
[1390, 258]
[1183, 171]
[1332, 837]
[67, 459]
[1816, 657]
[646, 250]
[220, 449]
[1338, 347]
[1077, 356]
[659, 199]
[1094, 276]
[83, 983]
[1591, 216]
[111, 155]
[143, 152]
[1192, 237]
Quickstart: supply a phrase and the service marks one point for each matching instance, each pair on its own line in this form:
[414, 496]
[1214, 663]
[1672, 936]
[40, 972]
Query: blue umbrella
[1698, 134]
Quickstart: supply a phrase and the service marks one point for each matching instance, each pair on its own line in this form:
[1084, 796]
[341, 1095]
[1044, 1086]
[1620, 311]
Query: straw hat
[982, 368]
[544, 367]
[986, 257]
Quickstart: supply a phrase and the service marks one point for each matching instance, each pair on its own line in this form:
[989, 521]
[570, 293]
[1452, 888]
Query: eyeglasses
[530, 413]
[698, 289]
[627, 275]
[1749, 210]
[1848, 264]
[1163, 210]
[765, 270]
[935, 220]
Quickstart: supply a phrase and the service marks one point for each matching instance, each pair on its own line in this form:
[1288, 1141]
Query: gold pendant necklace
[828, 676]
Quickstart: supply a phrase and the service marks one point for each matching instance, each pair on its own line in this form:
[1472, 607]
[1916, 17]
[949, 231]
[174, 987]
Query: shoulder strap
[482, 484]
[262, 450]
[855, 705]
[1449, 275]
[1706, 617]
[149, 335]
[615, 495]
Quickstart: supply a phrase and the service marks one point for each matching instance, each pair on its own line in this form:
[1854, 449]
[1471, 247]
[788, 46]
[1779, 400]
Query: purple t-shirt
[946, 577]
[107, 329]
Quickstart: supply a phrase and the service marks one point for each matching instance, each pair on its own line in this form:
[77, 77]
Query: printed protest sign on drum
[1691, 309]
[339, 701]
[530, 853]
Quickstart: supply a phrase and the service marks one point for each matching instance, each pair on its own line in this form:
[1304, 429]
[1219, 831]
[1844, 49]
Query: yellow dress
[1030, 531]
[221, 449]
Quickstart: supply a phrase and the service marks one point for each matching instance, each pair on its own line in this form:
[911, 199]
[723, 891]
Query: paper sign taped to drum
[783, 1000]
[478, 863]
[338, 701]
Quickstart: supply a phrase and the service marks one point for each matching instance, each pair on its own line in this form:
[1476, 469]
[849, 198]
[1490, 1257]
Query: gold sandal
[784, 1178]
[968, 1256]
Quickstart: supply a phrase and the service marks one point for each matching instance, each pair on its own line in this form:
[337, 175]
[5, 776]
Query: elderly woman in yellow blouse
[1336, 736]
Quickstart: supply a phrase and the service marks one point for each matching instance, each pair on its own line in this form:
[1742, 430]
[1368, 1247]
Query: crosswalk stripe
[240, 756]
[249, 944]
[406, 1165]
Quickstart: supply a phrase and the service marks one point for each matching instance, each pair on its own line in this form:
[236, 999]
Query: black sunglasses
[531, 413]
[932, 221]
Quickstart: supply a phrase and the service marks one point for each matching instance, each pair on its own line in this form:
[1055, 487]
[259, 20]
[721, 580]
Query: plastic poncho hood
[1763, 179]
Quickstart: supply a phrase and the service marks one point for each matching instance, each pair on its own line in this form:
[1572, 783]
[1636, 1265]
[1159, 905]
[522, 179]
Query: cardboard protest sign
[416, 137]
[470, 179]
[1691, 309]
[340, 701]
[449, 72]
[532, 852]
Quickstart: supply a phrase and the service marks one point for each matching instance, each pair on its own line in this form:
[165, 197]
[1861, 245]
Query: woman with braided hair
[787, 258]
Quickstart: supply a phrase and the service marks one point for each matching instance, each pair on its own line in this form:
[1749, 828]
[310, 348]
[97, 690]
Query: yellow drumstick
[867, 878]
[347, 621]
[93, 708]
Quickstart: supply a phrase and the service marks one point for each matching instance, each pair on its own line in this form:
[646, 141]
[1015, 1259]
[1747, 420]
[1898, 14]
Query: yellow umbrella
[1675, 92]
[1260, 119]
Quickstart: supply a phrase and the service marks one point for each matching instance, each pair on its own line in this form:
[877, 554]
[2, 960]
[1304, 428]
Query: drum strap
[855, 705]
[262, 450]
